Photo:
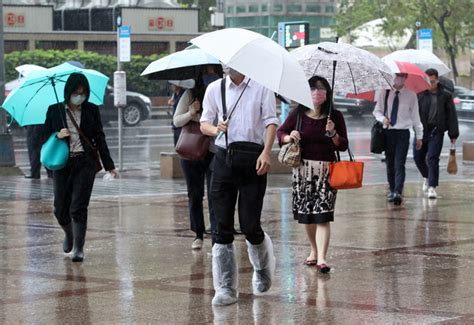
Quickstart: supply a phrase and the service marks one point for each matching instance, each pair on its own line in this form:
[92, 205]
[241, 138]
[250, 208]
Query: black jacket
[90, 124]
[446, 117]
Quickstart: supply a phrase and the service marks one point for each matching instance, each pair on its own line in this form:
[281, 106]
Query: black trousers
[197, 173]
[34, 143]
[427, 158]
[396, 152]
[73, 188]
[242, 185]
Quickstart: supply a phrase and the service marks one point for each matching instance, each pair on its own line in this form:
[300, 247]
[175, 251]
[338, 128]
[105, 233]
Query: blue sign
[125, 32]
[426, 33]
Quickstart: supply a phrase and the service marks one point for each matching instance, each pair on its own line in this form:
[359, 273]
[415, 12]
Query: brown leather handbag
[192, 143]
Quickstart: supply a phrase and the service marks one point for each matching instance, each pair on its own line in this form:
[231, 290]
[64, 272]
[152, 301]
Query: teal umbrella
[29, 103]
[179, 65]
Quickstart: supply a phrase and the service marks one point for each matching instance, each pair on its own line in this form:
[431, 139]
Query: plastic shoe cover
[425, 185]
[432, 193]
[263, 262]
[224, 274]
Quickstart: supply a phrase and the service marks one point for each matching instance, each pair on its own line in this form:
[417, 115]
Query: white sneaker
[197, 244]
[425, 184]
[432, 193]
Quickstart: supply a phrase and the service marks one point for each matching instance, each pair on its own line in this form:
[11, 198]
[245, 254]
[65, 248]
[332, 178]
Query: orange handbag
[345, 175]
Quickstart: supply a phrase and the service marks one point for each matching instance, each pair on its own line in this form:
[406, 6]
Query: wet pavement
[406, 264]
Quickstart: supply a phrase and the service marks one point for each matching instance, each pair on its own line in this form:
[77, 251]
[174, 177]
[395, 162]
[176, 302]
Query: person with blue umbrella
[77, 121]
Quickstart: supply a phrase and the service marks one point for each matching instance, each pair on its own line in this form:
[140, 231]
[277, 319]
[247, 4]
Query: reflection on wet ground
[406, 264]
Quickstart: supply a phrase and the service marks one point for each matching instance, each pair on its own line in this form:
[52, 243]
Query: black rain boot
[79, 231]
[68, 238]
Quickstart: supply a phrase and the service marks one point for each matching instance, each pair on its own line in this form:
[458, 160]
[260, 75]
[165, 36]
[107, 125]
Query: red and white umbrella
[417, 79]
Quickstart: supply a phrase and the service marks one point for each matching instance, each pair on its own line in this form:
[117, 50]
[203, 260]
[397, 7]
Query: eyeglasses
[313, 88]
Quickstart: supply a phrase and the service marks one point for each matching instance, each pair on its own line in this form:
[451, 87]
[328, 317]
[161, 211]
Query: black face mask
[207, 79]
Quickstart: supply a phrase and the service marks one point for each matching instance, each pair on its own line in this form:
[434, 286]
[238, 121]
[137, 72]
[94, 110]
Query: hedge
[106, 64]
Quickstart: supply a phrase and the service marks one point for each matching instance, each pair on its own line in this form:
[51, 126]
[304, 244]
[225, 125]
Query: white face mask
[399, 81]
[78, 99]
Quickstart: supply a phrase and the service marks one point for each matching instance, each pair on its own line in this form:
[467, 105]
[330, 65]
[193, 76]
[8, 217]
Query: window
[240, 9]
[294, 8]
[101, 47]
[181, 46]
[278, 8]
[12, 46]
[230, 10]
[149, 48]
[313, 8]
[329, 9]
[264, 8]
[56, 45]
[253, 8]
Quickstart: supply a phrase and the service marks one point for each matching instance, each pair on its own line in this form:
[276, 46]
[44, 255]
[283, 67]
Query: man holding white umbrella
[245, 106]
[240, 167]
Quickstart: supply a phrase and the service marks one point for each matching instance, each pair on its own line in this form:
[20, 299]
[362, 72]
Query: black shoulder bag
[378, 132]
[240, 153]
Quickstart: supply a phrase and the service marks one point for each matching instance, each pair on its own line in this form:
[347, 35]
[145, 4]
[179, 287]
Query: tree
[451, 20]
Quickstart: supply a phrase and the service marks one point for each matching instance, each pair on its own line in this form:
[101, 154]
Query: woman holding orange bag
[313, 198]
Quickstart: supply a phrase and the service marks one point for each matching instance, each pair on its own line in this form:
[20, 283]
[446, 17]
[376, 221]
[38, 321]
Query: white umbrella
[187, 84]
[25, 69]
[260, 59]
[421, 58]
[179, 65]
[346, 67]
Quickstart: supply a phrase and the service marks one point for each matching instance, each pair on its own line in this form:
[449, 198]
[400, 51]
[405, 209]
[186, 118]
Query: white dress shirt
[408, 113]
[254, 112]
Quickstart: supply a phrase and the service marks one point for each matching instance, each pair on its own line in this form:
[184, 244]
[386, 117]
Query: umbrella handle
[331, 103]
[53, 83]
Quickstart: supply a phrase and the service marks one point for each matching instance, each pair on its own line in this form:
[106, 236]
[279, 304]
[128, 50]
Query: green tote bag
[54, 153]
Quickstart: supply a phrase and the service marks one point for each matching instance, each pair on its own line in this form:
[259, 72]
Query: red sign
[14, 20]
[160, 23]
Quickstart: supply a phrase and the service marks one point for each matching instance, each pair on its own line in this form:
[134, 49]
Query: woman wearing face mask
[73, 184]
[313, 198]
[198, 172]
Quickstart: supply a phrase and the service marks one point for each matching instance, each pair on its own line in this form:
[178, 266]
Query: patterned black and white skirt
[313, 198]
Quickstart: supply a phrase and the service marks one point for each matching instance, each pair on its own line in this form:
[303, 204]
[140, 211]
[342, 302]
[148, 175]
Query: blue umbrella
[29, 103]
[179, 65]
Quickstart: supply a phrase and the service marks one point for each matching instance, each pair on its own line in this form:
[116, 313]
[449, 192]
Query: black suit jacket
[90, 124]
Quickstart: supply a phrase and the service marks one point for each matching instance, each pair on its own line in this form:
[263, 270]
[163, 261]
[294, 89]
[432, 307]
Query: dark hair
[199, 88]
[73, 82]
[327, 104]
[432, 72]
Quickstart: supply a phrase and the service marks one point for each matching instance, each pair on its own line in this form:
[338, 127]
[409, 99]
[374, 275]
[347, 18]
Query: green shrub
[106, 64]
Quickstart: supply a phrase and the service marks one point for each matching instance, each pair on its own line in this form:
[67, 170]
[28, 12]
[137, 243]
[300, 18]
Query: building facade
[91, 26]
[263, 16]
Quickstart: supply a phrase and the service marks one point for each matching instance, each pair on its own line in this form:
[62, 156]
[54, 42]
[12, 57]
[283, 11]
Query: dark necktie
[394, 113]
